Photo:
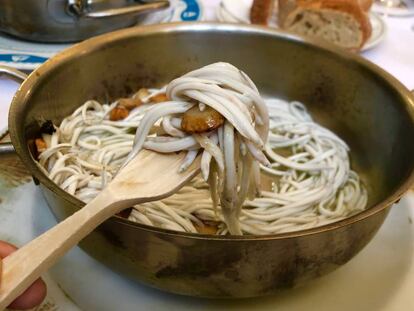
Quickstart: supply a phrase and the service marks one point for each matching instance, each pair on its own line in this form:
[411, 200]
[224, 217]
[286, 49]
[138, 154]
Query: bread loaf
[261, 11]
[366, 4]
[342, 22]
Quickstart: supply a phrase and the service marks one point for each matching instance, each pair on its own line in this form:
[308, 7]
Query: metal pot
[70, 20]
[372, 111]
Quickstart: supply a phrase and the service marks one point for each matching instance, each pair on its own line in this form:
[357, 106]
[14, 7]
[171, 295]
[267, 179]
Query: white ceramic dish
[239, 10]
[405, 9]
[379, 31]
[29, 55]
[231, 11]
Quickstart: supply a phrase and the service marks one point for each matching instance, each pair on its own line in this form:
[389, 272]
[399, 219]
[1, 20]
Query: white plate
[29, 55]
[379, 31]
[239, 9]
[231, 11]
[404, 10]
[380, 278]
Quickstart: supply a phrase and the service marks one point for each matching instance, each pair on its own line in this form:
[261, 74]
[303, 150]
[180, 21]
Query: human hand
[34, 295]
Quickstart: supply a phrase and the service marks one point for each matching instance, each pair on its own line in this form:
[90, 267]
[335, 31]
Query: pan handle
[18, 76]
[12, 73]
[79, 8]
[6, 148]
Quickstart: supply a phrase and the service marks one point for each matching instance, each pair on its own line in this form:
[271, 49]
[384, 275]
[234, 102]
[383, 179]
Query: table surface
[380, 278]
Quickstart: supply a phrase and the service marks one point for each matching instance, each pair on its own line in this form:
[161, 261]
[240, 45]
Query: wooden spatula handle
[149, 176]
[24, 266]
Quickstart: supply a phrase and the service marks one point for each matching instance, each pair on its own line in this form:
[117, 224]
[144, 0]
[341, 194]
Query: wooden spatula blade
[152, 175]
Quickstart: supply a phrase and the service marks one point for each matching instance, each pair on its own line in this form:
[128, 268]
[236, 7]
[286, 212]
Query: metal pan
[371, 110]
[71, 20]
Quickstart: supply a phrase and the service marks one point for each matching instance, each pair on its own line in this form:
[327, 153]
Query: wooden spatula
[148, 177]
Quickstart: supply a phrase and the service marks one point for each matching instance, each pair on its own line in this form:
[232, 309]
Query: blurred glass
[391, 3]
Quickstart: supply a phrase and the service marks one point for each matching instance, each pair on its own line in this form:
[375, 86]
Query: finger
[6, 249]
[34, 295]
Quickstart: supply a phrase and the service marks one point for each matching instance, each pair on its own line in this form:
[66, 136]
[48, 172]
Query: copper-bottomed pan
[363, 104]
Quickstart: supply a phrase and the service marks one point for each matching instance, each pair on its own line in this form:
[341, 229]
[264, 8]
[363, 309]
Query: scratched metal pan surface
[363, 104]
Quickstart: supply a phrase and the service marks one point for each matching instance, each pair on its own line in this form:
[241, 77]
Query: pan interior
[350, 98]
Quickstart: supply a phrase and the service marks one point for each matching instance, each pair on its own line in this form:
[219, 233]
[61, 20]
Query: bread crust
[261, 11]
[366, 4]
[288, 9]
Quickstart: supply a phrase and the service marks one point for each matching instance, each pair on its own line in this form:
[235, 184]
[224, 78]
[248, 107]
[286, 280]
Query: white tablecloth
[395, 54]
